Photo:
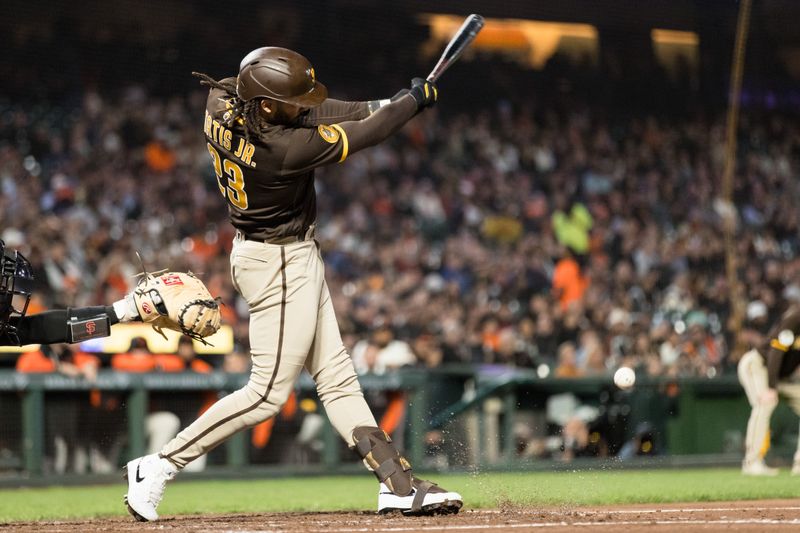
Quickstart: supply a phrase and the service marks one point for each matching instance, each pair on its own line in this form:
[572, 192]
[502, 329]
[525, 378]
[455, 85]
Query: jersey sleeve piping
[345, 142]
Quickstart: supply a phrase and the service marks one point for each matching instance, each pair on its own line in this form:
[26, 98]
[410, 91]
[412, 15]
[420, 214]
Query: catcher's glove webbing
[177, 301]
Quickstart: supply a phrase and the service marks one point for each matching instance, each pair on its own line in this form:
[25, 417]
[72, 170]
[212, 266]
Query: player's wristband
[374, 105]
[81, 329]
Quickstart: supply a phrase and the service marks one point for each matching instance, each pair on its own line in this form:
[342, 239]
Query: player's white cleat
[426, 498]
[147, 478]
[758, 468]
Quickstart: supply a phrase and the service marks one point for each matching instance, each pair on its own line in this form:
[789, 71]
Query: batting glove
[424, 93]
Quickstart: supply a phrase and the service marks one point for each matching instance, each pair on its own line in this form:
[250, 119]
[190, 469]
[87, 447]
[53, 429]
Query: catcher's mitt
[177, 301]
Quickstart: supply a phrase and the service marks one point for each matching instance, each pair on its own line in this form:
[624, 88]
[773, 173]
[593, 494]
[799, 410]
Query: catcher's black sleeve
[52, 327]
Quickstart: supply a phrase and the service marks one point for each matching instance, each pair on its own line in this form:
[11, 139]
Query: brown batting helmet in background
[280, 74]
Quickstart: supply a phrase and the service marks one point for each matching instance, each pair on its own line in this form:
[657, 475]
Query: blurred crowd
[521, 234]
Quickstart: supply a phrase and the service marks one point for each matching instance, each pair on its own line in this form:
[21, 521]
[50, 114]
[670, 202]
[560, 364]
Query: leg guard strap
[386, 470]
[423, 487]
[381, 456]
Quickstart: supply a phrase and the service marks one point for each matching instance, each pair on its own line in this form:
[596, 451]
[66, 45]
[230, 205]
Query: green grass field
[359, 492]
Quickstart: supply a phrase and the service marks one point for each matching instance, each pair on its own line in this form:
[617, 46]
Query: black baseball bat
[465, 35]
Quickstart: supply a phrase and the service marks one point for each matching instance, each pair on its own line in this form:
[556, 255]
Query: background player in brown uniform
[267, 130]
[764, 374]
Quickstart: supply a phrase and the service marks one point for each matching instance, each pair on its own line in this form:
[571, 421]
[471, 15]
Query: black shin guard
[381, 456]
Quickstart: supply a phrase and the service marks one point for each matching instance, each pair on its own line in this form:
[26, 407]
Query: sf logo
[91, 327]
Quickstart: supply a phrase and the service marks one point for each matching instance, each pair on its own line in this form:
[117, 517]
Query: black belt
[277, 240]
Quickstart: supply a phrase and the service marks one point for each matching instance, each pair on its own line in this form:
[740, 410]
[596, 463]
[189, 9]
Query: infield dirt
[742, 516]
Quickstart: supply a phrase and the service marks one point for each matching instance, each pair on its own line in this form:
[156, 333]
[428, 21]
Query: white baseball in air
[624, 377]
[786, 337]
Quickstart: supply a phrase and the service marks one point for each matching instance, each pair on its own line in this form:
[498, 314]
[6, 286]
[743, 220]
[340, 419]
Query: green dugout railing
[696, 416]
[34, 387]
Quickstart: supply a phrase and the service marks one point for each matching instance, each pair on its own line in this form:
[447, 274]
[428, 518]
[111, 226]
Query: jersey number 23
[231, 181]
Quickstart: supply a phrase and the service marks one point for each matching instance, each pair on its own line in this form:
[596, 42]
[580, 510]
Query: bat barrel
[462, 38]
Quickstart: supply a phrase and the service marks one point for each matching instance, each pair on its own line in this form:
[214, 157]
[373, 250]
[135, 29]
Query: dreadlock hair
[247, 111]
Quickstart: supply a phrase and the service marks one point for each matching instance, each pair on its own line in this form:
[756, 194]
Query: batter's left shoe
[426, 498]
[147, 479]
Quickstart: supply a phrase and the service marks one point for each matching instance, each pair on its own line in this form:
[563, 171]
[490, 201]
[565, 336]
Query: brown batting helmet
[279, 74]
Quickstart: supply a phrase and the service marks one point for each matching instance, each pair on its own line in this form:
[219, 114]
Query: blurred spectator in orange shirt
[60, 358]
[138, 358]
[35, 362]
[188, 355]
[569, 283]
[159, 156]
[184, 359]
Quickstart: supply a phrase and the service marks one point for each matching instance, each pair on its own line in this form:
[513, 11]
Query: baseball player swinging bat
[463, 37]
[278, 269]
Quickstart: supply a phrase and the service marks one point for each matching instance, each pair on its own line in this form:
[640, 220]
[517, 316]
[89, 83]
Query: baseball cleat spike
[446, 507]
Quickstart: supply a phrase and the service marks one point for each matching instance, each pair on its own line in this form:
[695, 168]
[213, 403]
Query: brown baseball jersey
[783, 353]
[268, 181]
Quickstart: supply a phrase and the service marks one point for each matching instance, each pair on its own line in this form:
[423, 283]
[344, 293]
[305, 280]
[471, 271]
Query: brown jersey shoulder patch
[328, 134]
